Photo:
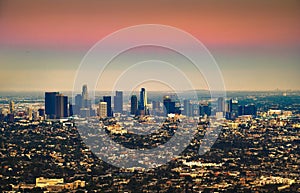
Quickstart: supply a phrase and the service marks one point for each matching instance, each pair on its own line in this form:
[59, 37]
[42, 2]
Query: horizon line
[233, 90]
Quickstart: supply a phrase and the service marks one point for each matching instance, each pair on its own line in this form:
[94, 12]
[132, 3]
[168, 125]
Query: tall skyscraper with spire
[85, 95]
[143, 101]
[86, 105]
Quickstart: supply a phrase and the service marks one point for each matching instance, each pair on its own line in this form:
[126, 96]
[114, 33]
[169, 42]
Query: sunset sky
[255, 43]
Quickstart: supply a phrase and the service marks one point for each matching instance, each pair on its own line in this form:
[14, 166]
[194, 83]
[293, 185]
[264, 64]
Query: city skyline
[149, 96]
[256, 44]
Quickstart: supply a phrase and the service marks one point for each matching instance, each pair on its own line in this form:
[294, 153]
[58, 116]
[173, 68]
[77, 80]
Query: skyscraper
[204, 109]
[78, 104]
[241, 110]
[233, 108]
[50, 104]
[143, 99]
[107, 99]
[118, 102]
[102, 109]
[143, 102]
[85, 94]
[86, 102]
[56, 105]
[171, 105]
[187, 108]
[221, 105]
[65, 107]
[250, 110]
[61, 108]
[71, 110]
[86, 105]
[134, 103]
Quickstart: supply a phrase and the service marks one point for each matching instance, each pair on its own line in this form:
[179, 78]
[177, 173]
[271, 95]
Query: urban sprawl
[43, 150]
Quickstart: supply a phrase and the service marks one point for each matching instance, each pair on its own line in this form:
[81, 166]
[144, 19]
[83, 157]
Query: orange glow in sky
[66, 23]
[255, 42]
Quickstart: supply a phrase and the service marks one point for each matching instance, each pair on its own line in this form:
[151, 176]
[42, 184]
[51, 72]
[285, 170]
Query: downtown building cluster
[57, 106]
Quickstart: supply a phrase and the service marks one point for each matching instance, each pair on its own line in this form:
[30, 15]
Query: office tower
[118, 102]
[233, 108]
[171, 105]
[61, 107]
[241, 110]
[85, 108]
[11, 106]
[134, 103]
[78, 100]
[102, 109]
[50, 104]
[250, 110]
[143, 100]
[85, 95]
[107, 99]
[204, 109]
[177, 104]
[188, 109]
[66, 110]
[195, 111]
[78, 104]
[86, 102]
[221, 105]
[71, 110]
[177, 109]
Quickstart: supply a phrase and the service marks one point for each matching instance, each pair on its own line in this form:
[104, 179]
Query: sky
[255, 43]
